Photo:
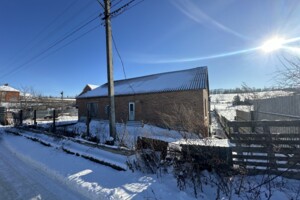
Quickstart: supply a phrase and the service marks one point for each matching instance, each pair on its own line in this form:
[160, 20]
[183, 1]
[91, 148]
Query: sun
[273, 44]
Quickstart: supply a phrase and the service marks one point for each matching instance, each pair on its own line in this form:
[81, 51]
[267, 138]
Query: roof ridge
[180, 80]
[140, 77]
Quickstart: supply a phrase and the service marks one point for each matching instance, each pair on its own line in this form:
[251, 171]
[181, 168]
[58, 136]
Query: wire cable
[123, 66]
[118, 53]
[67, 44]
[49, 48]
[13, 58]
[114, 5]
[46, 38]
[124, 8]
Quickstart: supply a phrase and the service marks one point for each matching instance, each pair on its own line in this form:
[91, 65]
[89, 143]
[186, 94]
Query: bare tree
[289, 75]
[29, 98]
[185, 120]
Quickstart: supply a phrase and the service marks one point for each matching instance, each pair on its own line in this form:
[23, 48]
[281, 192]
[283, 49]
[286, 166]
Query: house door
[131, 111]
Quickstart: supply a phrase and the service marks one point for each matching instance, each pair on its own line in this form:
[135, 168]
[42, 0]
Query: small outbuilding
[165, 99]
[87, 88]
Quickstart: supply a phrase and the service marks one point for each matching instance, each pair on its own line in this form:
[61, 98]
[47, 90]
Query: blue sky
[152, 37]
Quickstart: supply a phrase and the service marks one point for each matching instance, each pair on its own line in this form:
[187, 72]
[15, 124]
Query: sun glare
[273, 44]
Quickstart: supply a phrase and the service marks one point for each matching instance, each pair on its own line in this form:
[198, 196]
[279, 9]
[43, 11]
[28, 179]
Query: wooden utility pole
[111, 93]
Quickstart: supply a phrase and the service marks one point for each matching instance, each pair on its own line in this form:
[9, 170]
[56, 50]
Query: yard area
[89, 171]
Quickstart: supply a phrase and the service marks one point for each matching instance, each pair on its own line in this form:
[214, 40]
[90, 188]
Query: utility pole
[110, 77]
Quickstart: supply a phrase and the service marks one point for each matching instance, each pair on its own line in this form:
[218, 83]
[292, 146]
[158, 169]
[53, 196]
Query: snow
[126, 133]
[205, 142]
[222, 103]
[90, 179]
[47, 123]
[104, 156]
[171, 81]
[41, 172]
[22, 178]
[6, 88]
[92, 86]
[129, 134]
[226, 98]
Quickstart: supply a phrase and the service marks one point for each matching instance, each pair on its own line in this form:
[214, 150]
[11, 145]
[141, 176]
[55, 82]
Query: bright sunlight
[273, 44]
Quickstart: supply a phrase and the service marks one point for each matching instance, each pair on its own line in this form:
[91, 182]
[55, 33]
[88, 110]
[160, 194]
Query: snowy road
[20, 180]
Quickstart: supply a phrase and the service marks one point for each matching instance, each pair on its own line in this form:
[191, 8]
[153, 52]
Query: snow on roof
[190, 79]
[92, 86]
[6, 88]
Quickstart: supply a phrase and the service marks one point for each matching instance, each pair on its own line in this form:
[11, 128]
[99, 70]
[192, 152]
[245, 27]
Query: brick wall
[148, 107]
[9, 96]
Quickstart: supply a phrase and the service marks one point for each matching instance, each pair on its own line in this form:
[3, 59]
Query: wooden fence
[223, 121]
[278, 108]
[205, 157]
[266, 152]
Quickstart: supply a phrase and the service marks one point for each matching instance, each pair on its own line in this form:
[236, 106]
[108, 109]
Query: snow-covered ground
[30, 170]
[222, 103]
[23, 178]
[85, 178]
[257, 95]
[37, 166]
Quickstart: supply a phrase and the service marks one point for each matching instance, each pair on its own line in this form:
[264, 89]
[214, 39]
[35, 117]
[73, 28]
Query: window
[3, 95]
[92, 109]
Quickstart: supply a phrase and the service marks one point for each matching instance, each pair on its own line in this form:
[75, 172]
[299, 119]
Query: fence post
[34, 118]
[21, 118]
[238, 144]
[271, 154]
[53, 125]
[252, 119]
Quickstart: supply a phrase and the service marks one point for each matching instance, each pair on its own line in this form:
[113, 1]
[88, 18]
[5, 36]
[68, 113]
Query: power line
[123, 66]
[124, 8]
[50, 47]
[118, 53]
[121, 8]
[41, 41]
[12, 60]
[114, 5]
[117, 12]
[70, 42]
[101, 4]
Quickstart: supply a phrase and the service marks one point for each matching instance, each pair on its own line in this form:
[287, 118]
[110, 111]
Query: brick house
[8, 95]
[146, 98]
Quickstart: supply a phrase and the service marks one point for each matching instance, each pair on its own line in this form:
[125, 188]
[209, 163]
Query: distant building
[88, 87]
[148, 98]
[8, 95]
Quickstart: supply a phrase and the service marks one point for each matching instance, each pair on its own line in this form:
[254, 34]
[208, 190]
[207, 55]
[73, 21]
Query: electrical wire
[49, 48]
[118, 53]
[115, 13]
[122, 63]
[67, 44]
[114, 5]
[124, 8]
[13, 58]
[101, 4]
[121, 8]
[46, 38]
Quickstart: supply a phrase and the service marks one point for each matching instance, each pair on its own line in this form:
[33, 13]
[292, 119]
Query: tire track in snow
[19, 180]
